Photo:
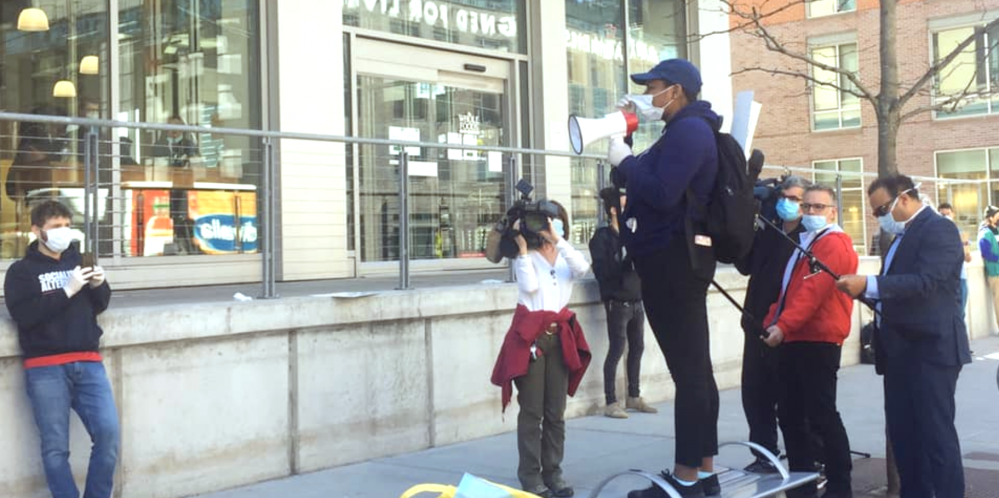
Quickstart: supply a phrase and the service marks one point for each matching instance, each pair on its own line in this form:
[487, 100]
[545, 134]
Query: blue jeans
[84, 387]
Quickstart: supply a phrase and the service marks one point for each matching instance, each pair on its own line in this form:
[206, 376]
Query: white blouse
[542, 286]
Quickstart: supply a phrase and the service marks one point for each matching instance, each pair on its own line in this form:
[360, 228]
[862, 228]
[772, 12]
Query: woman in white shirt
[546, 354]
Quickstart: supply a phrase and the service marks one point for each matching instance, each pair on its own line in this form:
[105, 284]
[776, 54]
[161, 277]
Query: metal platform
[734, 483]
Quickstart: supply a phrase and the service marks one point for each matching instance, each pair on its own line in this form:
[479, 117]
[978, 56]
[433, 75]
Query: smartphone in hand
[88, 260]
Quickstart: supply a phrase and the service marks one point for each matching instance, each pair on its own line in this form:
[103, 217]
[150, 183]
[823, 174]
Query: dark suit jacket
[921, 297]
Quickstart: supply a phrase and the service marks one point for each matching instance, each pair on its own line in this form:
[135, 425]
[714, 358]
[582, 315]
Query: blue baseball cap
[679, 71]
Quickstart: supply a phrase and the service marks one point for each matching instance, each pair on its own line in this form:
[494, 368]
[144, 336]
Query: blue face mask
[558, 227]
[890, 225]
[788, 210]
[814, 222]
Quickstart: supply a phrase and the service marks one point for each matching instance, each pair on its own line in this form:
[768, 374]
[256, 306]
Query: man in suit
[921, 342]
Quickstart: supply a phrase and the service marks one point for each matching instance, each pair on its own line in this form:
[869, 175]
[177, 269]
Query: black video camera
[534, 218]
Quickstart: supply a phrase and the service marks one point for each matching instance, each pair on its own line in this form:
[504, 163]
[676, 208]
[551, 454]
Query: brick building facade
[799, 127]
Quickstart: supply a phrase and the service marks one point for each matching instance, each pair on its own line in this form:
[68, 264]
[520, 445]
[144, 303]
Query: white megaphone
[584, 131]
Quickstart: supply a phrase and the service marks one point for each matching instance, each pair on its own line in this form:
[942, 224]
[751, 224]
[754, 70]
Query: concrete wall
[215, 396]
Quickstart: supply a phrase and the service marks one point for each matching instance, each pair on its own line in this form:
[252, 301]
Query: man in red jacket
[810, 321]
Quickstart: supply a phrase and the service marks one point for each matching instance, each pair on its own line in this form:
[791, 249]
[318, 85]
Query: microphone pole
[816, 264]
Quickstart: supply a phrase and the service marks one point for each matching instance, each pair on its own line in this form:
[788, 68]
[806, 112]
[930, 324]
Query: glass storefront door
[456, 195]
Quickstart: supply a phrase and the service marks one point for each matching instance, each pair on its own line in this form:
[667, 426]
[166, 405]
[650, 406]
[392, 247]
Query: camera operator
[621, 292]
[765, 267]
[810, 321]
[544, 352]
[921, 342]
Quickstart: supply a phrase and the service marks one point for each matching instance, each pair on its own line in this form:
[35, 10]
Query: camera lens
[535, 222]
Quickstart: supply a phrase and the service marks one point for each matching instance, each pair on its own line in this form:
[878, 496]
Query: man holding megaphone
[668, 186]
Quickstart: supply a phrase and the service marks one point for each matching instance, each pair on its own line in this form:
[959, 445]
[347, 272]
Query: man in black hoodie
[55, 304]
[621, 292]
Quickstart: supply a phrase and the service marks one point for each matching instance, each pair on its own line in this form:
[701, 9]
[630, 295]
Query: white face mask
[58, 239]
[888, 222]
[648, 111]
[94, 115]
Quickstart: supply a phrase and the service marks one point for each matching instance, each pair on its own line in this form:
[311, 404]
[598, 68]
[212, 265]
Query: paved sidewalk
[597, 447]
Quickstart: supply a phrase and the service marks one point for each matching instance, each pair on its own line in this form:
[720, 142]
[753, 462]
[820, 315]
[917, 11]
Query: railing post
[267, 238]
[95, 151]
[601, 184]
[403, 220]
[839, 199]
[512, 177]
[88, 225]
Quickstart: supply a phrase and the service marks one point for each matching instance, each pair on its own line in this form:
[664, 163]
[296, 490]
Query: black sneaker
[711, 485]
[762, 466]
[693, 491]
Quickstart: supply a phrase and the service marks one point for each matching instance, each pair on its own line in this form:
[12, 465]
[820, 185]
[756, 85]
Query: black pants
[808, 402]
[625, 325]
[919, 409]
[760, 391]
[675, 298]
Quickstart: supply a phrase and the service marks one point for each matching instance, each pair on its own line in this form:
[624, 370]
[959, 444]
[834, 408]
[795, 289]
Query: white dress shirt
[542, 286]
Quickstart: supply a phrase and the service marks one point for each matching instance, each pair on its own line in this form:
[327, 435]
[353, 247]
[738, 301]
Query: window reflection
[491, 24]
[61, 71]
[595, 50]
[456, 196]
[191, 62]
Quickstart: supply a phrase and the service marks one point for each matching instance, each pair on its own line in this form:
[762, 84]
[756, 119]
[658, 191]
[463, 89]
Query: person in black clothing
[179, 149]
[55, 304]
[666, 234]
[621, 292]
[765, 267]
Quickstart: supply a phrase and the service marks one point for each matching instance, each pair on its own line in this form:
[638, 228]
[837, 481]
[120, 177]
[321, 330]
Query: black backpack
[731, 213]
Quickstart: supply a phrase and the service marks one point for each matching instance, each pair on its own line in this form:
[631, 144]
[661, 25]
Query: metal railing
[102, 175]
[276, 194]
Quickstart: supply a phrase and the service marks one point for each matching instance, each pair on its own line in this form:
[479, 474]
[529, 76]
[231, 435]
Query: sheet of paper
[423, 168]
[405, 135]
[495, 162]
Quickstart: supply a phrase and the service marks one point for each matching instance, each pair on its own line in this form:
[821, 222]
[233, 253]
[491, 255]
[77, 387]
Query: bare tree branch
[774, 45]
[957, 100]
[799, 74]
[942, 63]
[745, 22]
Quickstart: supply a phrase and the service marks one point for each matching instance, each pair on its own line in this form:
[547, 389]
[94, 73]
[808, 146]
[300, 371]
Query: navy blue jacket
[921, 296]
[48, 322]
[685, 156]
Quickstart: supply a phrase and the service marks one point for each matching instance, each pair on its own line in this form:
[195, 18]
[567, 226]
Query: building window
[596, 42]
[595, 49]
[835, 107]
[850, 172]
[196, 63]
[819, 8]
[61, 71]
[492, 24]
[971, 78]
[969, 199]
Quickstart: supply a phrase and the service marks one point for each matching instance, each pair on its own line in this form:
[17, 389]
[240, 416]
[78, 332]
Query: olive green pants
[541, 395]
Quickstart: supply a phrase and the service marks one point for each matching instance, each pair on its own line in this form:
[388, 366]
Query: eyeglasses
[815, 207]
[890, 205]
[884, 208]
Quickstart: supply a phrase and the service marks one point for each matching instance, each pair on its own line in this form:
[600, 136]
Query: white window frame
[838, 11]
[863, 186]
[941, 25]
[988, 161]
[836, 41]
